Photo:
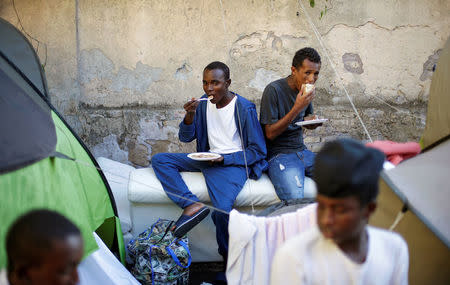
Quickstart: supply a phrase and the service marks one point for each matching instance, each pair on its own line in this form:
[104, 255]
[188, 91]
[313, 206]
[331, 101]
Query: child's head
[346, 173]
[43, 247]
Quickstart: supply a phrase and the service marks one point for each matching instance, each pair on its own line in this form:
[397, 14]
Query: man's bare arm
[274, 130]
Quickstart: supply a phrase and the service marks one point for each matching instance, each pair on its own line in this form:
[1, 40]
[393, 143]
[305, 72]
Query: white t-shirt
[223, 135]
[309, 258]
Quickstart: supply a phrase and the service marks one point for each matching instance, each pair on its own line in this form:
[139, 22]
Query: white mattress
[144, 187]
[118, 175]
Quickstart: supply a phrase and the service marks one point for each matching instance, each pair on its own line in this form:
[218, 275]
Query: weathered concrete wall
[120, 71]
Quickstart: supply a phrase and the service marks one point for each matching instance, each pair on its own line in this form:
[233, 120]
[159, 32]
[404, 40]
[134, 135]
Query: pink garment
[275, 234]
[396, 152]
[254, 240]
[281, 228]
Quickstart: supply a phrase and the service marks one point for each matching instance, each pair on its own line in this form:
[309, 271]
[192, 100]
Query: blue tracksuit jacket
[253, 138]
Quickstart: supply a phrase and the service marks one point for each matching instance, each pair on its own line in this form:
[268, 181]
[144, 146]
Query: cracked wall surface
[102, 84]
[120, 71]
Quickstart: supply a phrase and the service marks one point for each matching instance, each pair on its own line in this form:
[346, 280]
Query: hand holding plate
[216, 161]
[312, 126]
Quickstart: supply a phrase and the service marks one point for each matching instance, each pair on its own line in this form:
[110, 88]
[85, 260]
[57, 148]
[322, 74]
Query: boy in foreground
[343, 249]
[43, 247]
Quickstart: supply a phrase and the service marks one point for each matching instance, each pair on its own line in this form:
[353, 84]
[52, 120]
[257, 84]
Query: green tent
[418, 189]
[43, 164]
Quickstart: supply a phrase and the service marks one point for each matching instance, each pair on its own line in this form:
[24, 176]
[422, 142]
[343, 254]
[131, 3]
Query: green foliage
[323, 12]
[312, 3]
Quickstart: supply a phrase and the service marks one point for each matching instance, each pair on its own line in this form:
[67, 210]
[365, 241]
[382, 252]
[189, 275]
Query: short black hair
[305, 53]
[219, 65]
[345, 167]
[33, 233]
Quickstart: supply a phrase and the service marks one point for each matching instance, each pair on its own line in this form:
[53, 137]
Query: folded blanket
[396, 152]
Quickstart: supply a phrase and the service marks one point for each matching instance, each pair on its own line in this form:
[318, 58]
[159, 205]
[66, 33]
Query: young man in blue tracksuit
[226, 124]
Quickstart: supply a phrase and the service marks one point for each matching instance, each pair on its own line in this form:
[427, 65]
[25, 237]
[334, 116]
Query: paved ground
[204, 272]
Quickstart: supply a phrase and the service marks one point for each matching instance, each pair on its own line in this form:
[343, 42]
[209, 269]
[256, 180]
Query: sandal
[185, 223]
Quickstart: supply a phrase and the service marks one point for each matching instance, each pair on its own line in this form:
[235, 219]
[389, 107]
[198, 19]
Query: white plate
[203, 156]
[311, 122]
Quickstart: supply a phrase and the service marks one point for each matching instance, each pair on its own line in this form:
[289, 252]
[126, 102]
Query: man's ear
[371, 207]
[293, 70]
[19, 275]
[228, 82]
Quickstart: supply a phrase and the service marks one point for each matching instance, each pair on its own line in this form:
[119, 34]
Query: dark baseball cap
[346, 167]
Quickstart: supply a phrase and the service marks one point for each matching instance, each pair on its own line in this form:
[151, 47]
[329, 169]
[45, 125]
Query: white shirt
[223, 135]
[311, 259]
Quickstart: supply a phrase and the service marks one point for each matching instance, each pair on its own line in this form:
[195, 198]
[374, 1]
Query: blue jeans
[223, 182]
[287, 172]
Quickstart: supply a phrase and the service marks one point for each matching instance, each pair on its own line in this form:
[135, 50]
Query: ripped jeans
[287, 172]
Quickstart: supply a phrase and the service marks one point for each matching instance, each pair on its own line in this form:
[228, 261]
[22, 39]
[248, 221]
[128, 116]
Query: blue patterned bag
[158, 257]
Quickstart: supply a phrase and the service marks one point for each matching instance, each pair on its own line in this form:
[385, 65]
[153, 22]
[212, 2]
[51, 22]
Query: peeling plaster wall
[120, 71]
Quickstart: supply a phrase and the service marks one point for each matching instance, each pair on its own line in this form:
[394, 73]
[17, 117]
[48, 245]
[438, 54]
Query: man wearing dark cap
[343, 249]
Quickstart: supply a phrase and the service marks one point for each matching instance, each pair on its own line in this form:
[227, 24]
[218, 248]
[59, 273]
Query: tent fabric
[27, 132]
[72, 189]
[45, 164]
[438, 113]
[420, 183]
[16, 48]
[428, 255]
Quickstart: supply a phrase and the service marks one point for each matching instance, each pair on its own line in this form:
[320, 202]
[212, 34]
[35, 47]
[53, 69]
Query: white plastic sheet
[102, 267]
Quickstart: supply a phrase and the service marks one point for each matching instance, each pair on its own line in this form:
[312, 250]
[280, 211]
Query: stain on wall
[430, 65]
[184, 72]
[352, 63]
[132, 134]
[262, 78]
[101, 84]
